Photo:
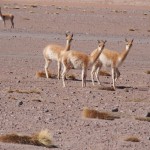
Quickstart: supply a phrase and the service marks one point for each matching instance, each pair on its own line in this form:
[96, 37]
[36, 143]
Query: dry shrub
[131, 29]
[33, 6]
[71, 77]
[132, 139]
[136, 100]
[147, 72]
[143, 119]
[91, 113]
[41, 74]
[24, 92]
[106, 88]
[104, 73]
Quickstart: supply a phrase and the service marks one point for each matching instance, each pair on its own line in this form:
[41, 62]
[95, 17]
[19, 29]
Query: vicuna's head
[128, 44]
[69, 37]
[101, 44]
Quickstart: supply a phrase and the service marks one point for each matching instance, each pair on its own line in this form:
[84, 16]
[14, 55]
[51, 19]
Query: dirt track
[47, 104]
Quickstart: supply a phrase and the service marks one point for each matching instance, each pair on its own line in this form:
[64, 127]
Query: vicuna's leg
[4, 22]
[93, 73]
[65, 70]
[47, 62]
[98, 73]
[114, 76]
[84, 74]
[59, 69]
[117, 74]
[12, 22]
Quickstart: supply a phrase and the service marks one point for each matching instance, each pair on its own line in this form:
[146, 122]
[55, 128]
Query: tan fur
[112, 59]
[54, 52]
[42, 138]
[7, 17]
[75, 59]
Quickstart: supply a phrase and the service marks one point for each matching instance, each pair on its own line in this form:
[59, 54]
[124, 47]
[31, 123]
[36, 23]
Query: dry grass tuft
[71, 77]
[104, 73]
[136, 100]
[91, 113]
[42, 74]
[106, 88]
[23, 91]
[143, 119]
[132, 139]
[147, 72]
[131, 29]
[33, 6]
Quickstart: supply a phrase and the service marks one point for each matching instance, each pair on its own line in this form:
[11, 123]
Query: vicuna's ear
[126, 40]
[98, 41]
[105, 41]
[132, 40]
[66, 34]
[72, 35]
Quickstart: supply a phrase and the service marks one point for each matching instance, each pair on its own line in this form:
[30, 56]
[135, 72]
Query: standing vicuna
[5, 17]
[112, 59]
[54, 52]
[75, 59]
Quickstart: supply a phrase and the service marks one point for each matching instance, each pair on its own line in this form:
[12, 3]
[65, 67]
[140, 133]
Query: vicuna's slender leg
[84, 74]
[113, 77]
[12, 22]
[47, 62]
[117, 74]
[59, 69]
[65, 70]
[4, 23]
[93, 73]
[97, 75]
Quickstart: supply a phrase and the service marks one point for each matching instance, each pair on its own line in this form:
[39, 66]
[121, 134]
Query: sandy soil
[59, 109]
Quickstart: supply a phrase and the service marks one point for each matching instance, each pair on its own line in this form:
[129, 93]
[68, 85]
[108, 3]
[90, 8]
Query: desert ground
[29, 104]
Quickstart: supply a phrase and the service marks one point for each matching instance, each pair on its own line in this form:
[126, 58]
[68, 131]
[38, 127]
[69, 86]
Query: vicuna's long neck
[124, 54]
[68, 44]
[95, 55]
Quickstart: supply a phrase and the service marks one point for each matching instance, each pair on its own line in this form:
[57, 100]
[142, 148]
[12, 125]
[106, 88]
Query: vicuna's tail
[91, 113]
[42, 138]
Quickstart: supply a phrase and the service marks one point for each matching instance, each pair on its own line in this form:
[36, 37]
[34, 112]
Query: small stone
[148, 114]
[126, 90]
[115, 110]
[46, 110]
[20, 103]
[18, 81]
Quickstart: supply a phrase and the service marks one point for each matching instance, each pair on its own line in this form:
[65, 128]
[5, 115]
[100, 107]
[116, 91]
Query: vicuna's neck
[124, 54]
[94, 56]
[67, 48]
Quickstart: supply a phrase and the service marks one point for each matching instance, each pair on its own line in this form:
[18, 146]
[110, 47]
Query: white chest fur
[105, 61]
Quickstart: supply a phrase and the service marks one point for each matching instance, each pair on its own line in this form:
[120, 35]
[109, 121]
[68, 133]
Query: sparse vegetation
[91, 113]
[106, 88]
[136, 100]
[147, 72]
[104, 73]
[71, 77]
[24, 92]
[132, 139]
[131, 29]
[42, 74]
[143, 119]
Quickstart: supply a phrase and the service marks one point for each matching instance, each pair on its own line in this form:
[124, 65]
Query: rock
[115, 110]
[19, 103]
[148, 114]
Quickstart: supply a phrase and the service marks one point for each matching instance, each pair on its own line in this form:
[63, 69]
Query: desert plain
[29, 104]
